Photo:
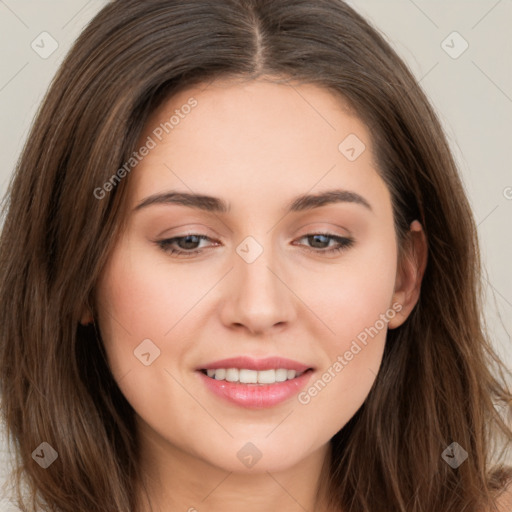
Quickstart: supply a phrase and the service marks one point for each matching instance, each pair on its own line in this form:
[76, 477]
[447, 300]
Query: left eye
[188, 244]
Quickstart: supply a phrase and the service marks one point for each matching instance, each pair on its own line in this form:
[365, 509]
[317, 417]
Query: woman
[174, 338]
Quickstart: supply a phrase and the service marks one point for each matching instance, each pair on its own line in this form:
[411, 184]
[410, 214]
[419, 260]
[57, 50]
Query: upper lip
[251, 363]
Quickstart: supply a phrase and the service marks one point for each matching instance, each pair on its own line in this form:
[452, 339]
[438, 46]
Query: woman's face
[262, 286]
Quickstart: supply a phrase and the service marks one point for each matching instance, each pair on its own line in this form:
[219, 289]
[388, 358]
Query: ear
[410, 270]
[86, 318]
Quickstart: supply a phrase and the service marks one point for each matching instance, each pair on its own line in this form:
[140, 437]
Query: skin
[257, 145]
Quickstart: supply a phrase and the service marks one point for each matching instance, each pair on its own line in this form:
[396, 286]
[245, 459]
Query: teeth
[245, 376]
[232, 374]
[281, 374]
[220, 374]
[248, 376]
[267, 377]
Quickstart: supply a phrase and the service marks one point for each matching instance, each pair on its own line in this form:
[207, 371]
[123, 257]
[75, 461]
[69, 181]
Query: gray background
[472, 94]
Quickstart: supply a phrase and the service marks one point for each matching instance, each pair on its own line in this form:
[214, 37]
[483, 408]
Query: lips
[255, 394]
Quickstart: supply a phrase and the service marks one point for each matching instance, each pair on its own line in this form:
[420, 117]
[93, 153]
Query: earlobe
[410, 271]
[86, 317]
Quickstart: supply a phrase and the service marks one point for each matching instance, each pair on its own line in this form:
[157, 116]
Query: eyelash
[165, 245]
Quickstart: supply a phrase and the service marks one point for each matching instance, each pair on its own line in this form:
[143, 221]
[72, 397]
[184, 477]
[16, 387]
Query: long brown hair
[439, 380]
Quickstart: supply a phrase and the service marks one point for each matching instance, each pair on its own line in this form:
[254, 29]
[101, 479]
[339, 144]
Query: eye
[187, 245]
[316, 239]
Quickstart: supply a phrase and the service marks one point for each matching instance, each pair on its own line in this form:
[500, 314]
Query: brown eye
[182, 245]
[320, 241]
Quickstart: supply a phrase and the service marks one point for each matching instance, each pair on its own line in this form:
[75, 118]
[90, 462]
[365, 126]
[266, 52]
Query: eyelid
[319, 227]
[188, 229]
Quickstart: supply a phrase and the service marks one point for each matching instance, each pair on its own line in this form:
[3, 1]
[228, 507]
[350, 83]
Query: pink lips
[256, 396]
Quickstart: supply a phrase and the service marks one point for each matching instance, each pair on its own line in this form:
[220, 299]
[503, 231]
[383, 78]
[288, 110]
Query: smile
[254, 382]
[246, 376]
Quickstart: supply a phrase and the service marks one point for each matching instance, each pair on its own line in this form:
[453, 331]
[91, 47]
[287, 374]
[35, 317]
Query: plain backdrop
[459, 50]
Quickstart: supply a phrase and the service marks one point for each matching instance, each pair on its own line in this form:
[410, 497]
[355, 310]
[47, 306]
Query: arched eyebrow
[217, 205]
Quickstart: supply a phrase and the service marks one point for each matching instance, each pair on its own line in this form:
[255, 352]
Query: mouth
[255, 383]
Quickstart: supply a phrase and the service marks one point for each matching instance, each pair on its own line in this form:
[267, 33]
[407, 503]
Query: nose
[258, 296]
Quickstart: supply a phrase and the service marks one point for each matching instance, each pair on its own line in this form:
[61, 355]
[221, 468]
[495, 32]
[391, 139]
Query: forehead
[234, 99]
[256, 139]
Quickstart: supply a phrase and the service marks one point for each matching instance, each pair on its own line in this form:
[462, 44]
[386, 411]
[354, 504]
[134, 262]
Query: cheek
[139, 301]
[134, 305]
[357, 308]
[354, 297]
[141, 295]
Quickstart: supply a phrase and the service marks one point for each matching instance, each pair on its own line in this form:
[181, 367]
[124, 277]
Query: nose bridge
[260, 298]
[256, 258]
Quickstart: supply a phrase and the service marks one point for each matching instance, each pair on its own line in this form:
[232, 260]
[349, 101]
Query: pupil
[314, 237]
[186, 240]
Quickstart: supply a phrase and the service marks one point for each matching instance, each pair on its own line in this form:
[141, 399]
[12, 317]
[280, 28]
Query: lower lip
[256, 396]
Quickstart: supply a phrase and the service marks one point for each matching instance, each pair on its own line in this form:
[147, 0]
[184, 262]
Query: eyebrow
[218, 205]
